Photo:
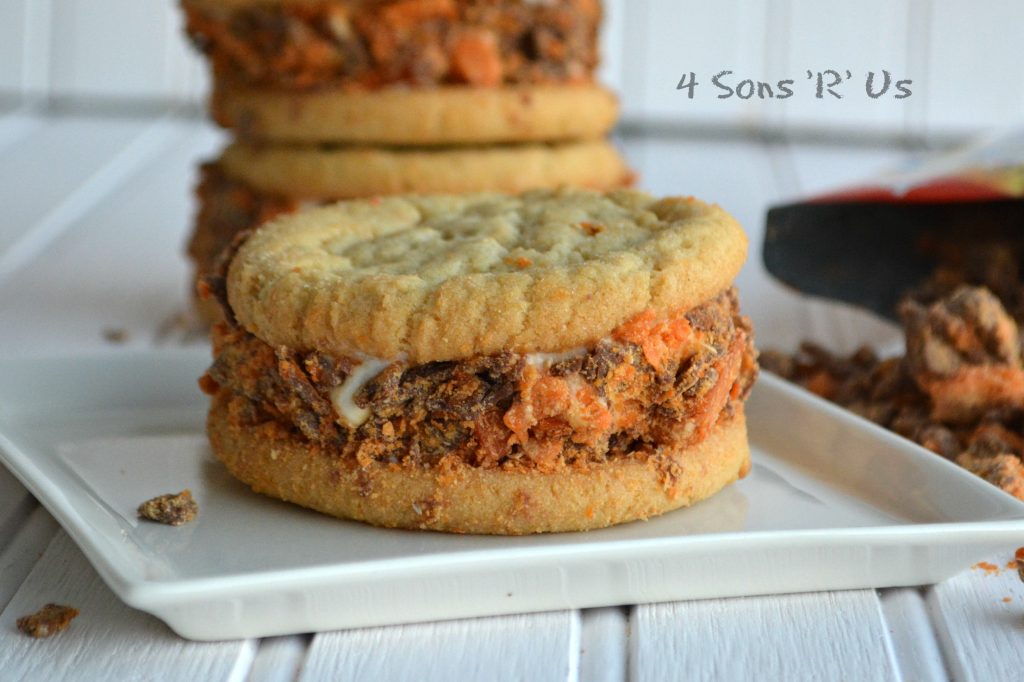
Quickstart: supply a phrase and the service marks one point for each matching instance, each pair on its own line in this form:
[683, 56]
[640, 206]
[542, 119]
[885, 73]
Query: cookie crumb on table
[47, 621]
[173, 508]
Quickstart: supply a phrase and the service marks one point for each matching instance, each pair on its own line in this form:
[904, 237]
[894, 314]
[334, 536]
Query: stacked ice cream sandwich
[336, 99]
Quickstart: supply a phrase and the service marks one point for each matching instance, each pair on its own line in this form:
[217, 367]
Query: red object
[940, 190]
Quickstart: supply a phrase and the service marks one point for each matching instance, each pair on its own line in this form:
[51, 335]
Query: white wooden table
[94, 212]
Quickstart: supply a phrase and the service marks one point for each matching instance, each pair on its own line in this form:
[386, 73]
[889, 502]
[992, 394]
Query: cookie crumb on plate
[173, 509]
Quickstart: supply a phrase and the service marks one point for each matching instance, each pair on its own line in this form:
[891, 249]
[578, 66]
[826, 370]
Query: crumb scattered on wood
[115, 334]
[990, 569]
[173, 508]
[47, 621]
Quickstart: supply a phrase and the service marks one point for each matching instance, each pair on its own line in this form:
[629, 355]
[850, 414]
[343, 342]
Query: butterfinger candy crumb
[989, 569]
[519, 261]
[1019, 556]
[203, 289]
[172, 509]
[208, 385]
[47, 621]
[591, 228]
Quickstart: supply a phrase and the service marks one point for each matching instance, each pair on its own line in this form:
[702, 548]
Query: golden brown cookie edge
[435, 116]
[323, 173]
[466, 499]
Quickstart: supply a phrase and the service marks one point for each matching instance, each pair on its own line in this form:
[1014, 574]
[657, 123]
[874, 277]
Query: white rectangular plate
[832, 502]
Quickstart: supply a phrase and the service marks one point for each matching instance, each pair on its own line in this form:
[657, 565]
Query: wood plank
[979, 619]
[822, 636]
[12, 493]
[16, 123]
[534, 647]
[918, 65]
[15, 505]
[703, 38]
[279, 659]
[633, 63]
[862, 37]
[59, 170]
[613, 48]
[23, 550]
[24, 46]
[113, 49]
[108, 641]
[188, 74]
[118, 265]
[12, 44]
[603, 636]
[916, 648]
[968, 86]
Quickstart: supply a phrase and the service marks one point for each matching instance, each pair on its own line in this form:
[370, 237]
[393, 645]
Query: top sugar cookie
[444, 278]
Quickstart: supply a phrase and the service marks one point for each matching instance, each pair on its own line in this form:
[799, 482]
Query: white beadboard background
[962, 56]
